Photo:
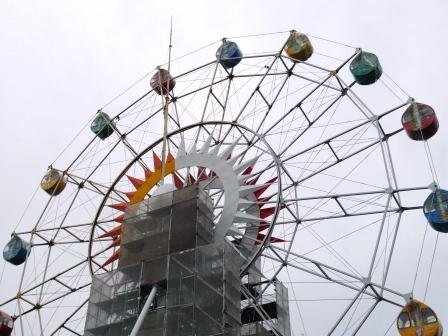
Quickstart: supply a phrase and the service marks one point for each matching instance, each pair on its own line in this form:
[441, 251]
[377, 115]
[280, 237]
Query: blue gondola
[366, 68]
[435, 209]
[16, 250]
[228, 54]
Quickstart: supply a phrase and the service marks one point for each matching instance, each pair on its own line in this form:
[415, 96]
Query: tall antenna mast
[170, 46]
[165, 107]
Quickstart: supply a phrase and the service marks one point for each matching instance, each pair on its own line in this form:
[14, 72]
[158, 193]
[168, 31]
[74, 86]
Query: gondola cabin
[6, 324]
[416, 318]
[366, 68]
[435, 209]
[299, 47]
[16, 250]
[102, 125]
[228, 54]
[420, 121]
[162, 82]
[53, 182]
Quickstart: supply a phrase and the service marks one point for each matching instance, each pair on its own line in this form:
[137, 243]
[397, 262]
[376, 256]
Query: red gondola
[162, 82]
[6, 324]
[420, 121]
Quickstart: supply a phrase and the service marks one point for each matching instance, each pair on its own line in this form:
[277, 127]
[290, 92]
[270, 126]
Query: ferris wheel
[300, 145]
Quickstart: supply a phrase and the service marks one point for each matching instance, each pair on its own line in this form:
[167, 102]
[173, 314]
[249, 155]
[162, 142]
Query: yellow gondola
[417, 319]
[53, 182]
[298, 47]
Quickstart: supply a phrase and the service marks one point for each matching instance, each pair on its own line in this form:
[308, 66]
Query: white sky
[62, 60]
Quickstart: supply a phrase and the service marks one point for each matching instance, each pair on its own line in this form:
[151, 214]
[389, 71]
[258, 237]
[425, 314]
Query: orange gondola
[417, 319]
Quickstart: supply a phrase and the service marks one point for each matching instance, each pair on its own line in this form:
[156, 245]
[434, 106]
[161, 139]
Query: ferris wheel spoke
[322, 271]
[366, 316]
[55, 281]
[104, 157]
[63, 227]
[43, 304]
[82, 182]
[175, 119]
[210, 93]
[391, 252]
[55, 232]
[145, 120]
[67, 320]
[327, 142]
[302, 133]
[269, 105]
[131, 149]
[207, 86]
[353, 195]
[315, 220]
[99, 188]
[263, 77]
[69, 242]
[259, 309]
[353, 320]
[322, 83]
[335, 161]
[54, 278]
[379, 236]
[347, 310]
[325, 271]
[298, 105]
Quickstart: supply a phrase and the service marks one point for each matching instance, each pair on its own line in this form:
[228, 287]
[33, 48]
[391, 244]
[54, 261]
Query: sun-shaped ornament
[244, 210]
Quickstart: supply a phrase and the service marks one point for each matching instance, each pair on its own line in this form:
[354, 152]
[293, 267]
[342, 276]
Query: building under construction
[167, 243]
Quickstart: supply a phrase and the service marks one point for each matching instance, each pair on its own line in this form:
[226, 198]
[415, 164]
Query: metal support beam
[144, 311]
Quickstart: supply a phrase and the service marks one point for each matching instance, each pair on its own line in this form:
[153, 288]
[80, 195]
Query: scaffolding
[167, 242]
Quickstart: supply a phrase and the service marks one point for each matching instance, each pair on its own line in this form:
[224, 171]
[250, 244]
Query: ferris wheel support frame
[398, 190]
[393, 191]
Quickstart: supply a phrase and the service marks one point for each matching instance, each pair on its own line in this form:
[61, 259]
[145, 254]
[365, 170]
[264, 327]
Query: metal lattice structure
[298, 160]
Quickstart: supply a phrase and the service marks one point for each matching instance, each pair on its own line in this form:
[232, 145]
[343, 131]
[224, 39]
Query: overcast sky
[62, 60]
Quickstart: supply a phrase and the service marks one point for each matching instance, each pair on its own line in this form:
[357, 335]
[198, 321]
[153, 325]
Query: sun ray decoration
[251, 209]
